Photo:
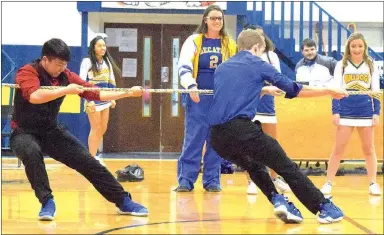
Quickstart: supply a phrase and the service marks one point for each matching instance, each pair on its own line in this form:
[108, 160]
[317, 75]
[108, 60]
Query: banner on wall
[184, 5]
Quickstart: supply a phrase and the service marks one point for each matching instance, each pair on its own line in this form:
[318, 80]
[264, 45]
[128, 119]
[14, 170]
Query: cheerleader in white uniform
[98, 68]
[266, 112]
[355, 72]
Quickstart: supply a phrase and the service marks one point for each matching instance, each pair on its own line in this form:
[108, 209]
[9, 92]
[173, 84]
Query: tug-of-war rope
[209, 92]
[118, 89]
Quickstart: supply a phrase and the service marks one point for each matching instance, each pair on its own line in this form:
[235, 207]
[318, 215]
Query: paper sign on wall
[124, 38]
[129, 67]
[128, 40]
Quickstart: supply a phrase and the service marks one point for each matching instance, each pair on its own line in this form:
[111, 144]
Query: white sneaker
[374, 189]
[100, 159]
[252, 189]
[281, 185]
[327, 188]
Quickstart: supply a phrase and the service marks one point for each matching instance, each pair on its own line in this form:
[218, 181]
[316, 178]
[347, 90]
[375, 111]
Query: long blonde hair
[347, 52]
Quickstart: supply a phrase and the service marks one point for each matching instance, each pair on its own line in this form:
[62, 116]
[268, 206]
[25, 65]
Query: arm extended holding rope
[43, 95]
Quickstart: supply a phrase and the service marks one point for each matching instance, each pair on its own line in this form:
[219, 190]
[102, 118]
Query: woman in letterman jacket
[200, 55]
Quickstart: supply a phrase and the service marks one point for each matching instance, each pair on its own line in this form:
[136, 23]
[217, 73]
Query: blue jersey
[237, 87]
[267, 102]
[356, 78]
[210, 57]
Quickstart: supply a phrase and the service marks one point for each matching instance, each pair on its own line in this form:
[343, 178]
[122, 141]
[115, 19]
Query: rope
[119, 89]
[167, 90]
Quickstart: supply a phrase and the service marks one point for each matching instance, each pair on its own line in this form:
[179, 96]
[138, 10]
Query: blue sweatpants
[196, 132]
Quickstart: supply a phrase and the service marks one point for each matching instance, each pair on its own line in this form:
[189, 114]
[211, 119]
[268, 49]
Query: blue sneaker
[227, 167]
[329, 213]
[285, 210]
[130, 207]
[48, 210]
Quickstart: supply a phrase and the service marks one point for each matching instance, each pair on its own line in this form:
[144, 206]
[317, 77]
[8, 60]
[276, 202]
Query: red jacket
[38, 117]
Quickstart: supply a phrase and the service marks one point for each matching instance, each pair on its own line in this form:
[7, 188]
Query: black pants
[244, 143]
[64, 147]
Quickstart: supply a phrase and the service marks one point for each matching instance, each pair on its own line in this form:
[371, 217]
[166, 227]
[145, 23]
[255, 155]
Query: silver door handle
[164, 74]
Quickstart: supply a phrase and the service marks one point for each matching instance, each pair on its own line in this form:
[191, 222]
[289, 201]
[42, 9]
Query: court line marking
[358, 225]
[350, 220]
[156, 223]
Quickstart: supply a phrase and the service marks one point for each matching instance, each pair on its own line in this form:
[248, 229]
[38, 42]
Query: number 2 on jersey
[213, 61]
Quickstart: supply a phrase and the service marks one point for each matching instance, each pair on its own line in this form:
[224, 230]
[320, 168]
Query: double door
[154, 122]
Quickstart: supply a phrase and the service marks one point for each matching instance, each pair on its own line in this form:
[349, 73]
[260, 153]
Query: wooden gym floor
[81, 209]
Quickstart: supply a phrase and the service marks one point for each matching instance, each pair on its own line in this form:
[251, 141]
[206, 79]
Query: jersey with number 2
[209, 58]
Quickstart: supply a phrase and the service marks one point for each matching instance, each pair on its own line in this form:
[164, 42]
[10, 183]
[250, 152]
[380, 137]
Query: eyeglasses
[214, 18]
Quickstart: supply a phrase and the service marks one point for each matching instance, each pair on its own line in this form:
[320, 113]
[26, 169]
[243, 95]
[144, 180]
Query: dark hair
[56, 49]
[308, 43]
[203, 27]
[107, 57]
[252, 26]
[269, 46]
